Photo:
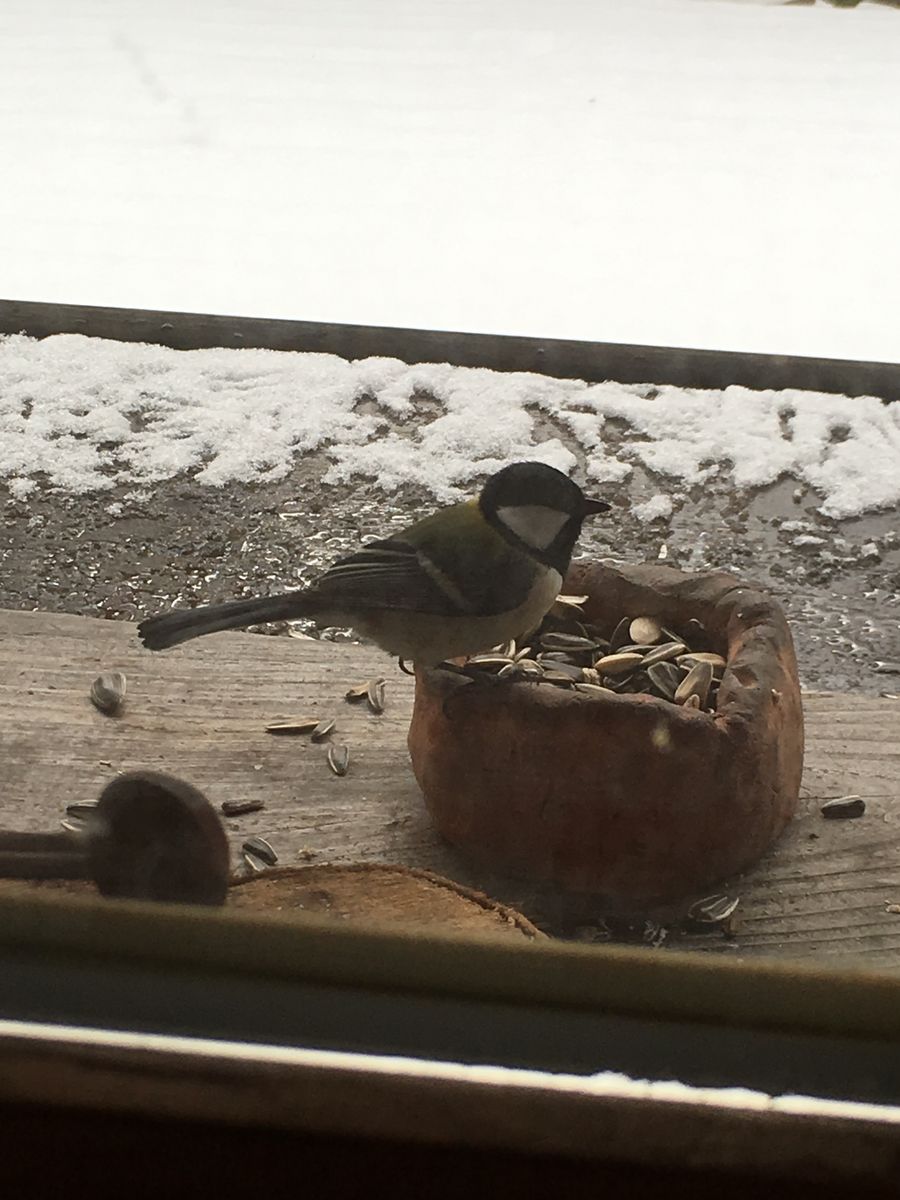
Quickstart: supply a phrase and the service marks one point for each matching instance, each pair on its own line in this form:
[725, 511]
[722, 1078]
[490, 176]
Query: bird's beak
[591, 507]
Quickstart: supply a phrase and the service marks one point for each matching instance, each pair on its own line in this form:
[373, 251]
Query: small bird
[453, 584]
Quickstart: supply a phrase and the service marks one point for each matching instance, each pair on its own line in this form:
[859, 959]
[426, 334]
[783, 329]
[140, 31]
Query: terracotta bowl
[628, 797]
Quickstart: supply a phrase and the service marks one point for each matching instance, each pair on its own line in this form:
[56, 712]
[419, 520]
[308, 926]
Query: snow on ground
[82, 414]
[658, 171]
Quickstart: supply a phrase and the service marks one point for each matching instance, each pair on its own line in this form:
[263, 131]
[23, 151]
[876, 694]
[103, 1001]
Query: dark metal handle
[42, 856]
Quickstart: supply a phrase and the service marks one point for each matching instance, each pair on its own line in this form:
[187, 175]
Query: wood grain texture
[200, 712]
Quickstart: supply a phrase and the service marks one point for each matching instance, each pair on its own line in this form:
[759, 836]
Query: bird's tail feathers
[182, 624]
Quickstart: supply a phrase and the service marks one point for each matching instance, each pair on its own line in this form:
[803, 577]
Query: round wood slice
[373, 894]
[366, 894]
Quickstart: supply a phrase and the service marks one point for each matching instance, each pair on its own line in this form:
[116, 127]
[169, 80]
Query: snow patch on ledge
[81, 414]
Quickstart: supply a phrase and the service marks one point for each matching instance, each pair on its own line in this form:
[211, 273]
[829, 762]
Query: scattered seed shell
[339, 758]
[664, 653]
[527, 666]
[592, 689]
[691, 658]
[713, 910]
[843, 808]
[620, 634]
[292, 728]
[108, 692]
[81, 810]
[646, 630]
[259, 848]
[511, 670]
[694, 632]
[323, 729]
[695, 683]
[569, 602]
[488, 662]
[617, 664]
[553, 676]
[239, 808]
[565, 669]
[375, 696]
[357, 693]
[665, 678]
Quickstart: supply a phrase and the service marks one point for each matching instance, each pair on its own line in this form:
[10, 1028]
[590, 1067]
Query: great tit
[464, 579]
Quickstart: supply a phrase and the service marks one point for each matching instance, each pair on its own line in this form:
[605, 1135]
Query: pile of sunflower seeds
[639, 655]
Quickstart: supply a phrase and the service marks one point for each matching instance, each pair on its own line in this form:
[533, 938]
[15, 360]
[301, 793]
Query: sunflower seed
[259, 848]
[73, 825]
[108, 692]
[323, 729]
[488, 662]
[620, 634]
[81, 810]
[339, 759]
[551, 675]
[293, 727]
[507, 649]
[713, 910]
[843, 808]
[570, 601]
[511, 670]
[565, 669]
[693, 701]
[527, 666]
[716, 661]
[522, 652]
[592, 689]
[357, 693]
[695, 683]
[618, 683]
[664, 653]
[238, 808]
[617, 664]
[646, 630]
[665, 677]
[566, 641]
[254, 863]
[375, 696]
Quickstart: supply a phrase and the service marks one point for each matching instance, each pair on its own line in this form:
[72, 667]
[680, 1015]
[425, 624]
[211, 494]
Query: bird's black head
[539, 509]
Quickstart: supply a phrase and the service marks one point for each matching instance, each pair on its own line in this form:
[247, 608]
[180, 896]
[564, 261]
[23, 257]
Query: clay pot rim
[734, 693]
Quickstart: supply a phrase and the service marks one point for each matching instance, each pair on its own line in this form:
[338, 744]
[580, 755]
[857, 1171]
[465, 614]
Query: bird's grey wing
[388, 574]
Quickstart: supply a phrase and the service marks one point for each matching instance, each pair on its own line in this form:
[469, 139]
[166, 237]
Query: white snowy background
[674, 172]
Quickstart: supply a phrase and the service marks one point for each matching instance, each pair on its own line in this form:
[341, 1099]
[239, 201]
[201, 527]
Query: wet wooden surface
[200, 712]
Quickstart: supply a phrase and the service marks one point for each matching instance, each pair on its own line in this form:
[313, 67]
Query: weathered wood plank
[200, 712]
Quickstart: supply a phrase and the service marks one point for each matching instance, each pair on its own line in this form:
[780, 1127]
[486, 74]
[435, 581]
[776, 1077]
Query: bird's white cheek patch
[535, 524]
